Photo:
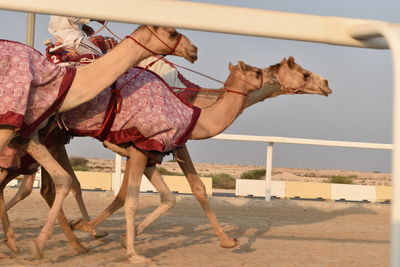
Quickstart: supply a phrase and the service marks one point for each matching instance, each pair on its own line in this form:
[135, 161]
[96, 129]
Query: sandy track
[279, 233]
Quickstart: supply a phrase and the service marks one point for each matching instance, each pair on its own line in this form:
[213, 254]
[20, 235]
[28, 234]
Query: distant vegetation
[253, 175]
[338, 179]
[164, 171]
[223, 181]
[79, 164]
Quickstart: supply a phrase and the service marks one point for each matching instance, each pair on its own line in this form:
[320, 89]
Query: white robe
[68, 30]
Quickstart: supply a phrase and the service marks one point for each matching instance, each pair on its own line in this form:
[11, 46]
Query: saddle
[58, 54]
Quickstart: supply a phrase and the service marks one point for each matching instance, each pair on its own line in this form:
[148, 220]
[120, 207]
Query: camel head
[165, 41]
[245, 77]
[293, 79]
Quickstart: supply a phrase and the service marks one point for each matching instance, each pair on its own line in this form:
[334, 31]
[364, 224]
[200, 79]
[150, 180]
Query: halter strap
[290, 90]
[152, 52]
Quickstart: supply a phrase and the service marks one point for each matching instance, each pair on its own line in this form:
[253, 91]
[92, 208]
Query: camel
[243, 78]
[140, 44]
[302, 82]
[286, 77]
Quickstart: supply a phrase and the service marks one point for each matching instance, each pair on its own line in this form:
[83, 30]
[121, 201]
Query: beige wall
[94, 180]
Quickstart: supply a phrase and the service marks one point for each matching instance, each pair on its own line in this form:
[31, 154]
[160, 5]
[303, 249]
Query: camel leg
[199, 191]
[10, 239]
[139, 161]
[63, 160]
[6, 135]
[24, 190]
[48, 193]
[62, 182]
[117, 203]
[167, 198]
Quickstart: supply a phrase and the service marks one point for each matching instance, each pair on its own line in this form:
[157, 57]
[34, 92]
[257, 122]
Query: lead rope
[176, 65]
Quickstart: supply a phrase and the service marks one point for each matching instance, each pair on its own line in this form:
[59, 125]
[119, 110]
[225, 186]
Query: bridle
[291, 91]
[178, 40]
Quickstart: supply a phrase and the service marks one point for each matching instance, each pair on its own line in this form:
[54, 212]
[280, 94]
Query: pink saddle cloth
[31, 87]
[152, 116]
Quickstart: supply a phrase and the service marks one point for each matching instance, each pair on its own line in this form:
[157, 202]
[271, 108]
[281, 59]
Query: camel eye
[306, 75]
[173, 34]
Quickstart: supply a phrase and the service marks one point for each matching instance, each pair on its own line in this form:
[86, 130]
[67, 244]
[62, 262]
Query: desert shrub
[82, 168]
[164, 171]
[339, 179]
[78, 161]
[223, 181]
[253, 175]
[79, 164]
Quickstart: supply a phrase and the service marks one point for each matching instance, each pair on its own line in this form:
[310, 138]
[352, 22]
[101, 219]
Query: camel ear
[230, 66]
[291, 62]
[242, 66]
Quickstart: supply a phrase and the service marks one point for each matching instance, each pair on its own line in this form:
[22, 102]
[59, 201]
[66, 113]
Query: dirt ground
[277, 233]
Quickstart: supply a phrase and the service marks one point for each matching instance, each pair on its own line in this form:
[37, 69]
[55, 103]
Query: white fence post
[268, 171]
[116, 177]
[30, 29]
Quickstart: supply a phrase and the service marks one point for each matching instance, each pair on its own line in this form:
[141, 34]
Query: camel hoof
[79, 249]
[12, 245]
[137, 259]
[96, 233]
[229, 243]
[36, 252]
[76, 224]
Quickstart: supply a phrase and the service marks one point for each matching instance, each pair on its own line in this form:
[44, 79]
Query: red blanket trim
[186, 135]
[11, 118]
[69, 75]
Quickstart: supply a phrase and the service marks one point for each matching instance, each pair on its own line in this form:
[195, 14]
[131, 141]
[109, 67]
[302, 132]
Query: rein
[225, 89]
[176, 65]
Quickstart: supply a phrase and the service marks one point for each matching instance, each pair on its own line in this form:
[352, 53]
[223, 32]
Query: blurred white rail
[236, 20]
[270, 140]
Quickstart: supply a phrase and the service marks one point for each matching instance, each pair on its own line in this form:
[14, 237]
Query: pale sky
[358, 110]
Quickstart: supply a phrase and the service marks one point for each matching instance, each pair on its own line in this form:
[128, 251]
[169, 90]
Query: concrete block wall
[176, 184]
[310, 190]
[94, 180]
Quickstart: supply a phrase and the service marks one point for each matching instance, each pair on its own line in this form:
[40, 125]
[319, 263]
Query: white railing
[236, 20]
[270, 140]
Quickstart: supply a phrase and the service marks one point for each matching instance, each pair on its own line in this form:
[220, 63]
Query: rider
[71, 32]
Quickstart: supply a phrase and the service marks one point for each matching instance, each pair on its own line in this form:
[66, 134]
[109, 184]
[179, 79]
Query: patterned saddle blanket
[31, 87]
[151, 115]
[31, 90]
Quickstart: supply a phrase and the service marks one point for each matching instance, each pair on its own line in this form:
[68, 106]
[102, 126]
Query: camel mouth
[326, 91]
[191, 54]
[191, 58]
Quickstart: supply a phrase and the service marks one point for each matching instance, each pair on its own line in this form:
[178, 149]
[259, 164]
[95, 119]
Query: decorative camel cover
[152, 116]
[31, 87]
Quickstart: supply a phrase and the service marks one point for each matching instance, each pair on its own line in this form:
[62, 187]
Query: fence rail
[270, 140]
